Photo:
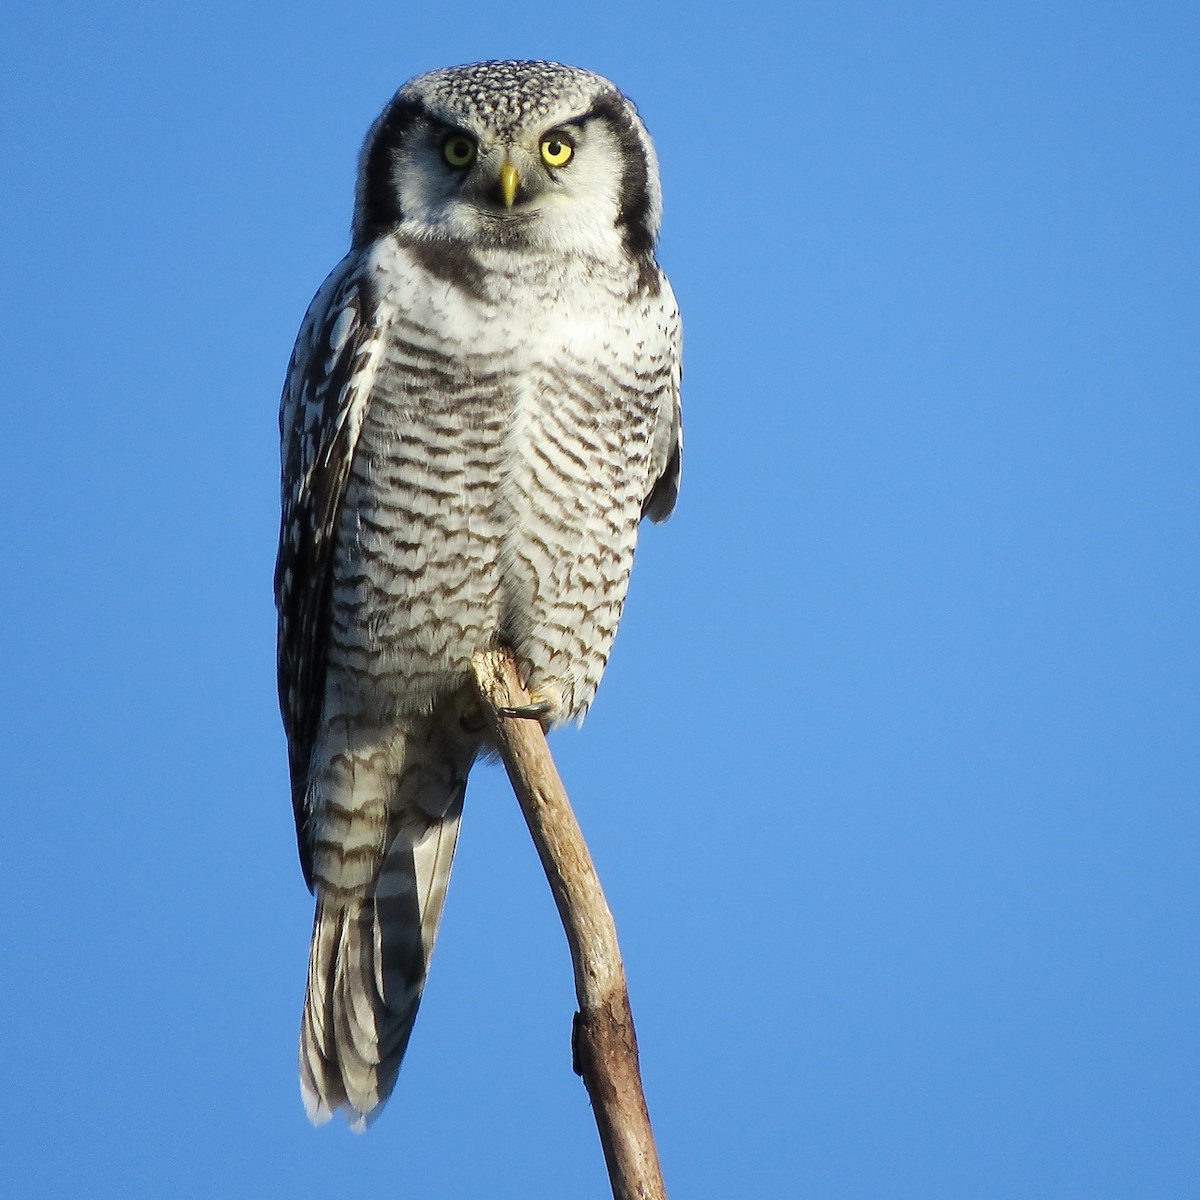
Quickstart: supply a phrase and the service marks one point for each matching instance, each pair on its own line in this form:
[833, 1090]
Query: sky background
[893, 779]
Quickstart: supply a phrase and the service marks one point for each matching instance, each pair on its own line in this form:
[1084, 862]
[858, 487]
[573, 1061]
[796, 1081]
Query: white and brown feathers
[482, 404]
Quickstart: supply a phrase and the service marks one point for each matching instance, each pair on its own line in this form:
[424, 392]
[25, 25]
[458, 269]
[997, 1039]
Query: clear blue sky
[893, 781]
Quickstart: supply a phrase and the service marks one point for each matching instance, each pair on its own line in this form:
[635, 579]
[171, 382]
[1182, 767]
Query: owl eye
[557, 150]
[458, 150]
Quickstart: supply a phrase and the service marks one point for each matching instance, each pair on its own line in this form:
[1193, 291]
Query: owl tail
[367, 969]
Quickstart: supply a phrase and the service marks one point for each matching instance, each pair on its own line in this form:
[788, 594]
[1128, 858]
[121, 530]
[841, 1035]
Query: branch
[604, 1044]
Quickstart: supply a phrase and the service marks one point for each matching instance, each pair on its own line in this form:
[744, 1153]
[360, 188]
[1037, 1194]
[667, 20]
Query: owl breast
[497, 485]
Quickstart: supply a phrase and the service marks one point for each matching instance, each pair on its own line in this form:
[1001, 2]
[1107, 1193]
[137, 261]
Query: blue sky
[893, 779]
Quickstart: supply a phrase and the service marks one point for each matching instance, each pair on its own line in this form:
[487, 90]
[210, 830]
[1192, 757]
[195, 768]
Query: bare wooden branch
[604, 1044]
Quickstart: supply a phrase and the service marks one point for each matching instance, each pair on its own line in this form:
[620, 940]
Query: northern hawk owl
[482, 404]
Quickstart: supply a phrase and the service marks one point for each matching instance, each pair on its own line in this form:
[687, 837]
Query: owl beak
[510, 182]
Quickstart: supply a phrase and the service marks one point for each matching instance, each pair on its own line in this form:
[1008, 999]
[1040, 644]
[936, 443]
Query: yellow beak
[510, 181]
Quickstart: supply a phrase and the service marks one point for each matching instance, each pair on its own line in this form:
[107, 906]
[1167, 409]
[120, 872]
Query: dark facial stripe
[380, 205]
[452, 261]
[634, 217]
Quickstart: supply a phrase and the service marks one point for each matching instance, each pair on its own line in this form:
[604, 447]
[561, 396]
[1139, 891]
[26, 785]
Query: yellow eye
[557, 150]
[458, 150]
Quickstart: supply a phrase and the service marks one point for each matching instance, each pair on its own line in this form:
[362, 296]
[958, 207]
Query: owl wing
[325, 398]
[666, 457]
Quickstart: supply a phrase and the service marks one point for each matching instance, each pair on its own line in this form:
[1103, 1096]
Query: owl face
[511, 154]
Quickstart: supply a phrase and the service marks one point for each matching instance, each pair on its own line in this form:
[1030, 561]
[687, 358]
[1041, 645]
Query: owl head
[511, 154]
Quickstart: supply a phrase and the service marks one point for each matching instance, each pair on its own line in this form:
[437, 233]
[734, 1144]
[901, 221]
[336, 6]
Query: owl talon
[527, 712]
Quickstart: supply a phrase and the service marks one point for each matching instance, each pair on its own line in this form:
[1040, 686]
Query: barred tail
[366, 972]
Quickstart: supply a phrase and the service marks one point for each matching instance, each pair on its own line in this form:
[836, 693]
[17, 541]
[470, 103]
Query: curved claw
[527, 712]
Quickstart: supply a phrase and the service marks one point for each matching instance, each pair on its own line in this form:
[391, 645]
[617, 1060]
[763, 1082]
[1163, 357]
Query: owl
[482, 405]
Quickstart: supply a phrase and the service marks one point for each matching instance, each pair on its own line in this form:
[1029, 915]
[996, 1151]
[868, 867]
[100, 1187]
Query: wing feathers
[324, 402]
